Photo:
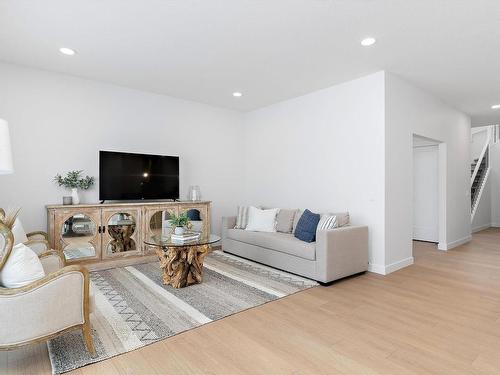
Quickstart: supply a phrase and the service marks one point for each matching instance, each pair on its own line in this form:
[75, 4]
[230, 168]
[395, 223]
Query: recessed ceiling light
[67, 51]
[237, 94]
[496, 106]
[368, 42]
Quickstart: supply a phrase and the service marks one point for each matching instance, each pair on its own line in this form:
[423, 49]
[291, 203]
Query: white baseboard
[376, 268]
[398, 265]
[385, 270]
[495, 225]
[481, 227]
[451, 245]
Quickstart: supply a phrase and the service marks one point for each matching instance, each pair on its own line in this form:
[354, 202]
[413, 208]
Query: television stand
[112, 234]
[102, 202]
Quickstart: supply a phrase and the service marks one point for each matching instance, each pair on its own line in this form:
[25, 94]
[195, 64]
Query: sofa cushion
[306, 227]
[282, 242]
[284, 220]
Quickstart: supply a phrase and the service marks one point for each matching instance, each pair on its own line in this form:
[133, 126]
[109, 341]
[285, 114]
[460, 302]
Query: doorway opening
[429, 194]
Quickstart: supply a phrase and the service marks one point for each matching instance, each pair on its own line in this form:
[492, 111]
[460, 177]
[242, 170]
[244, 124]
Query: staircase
[480, 170]
[478, 178]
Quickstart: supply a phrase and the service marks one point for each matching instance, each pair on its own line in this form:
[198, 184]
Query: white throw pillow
[261, 220]
[242, 217]
[327, 222]
[19, 232]
[22, 268]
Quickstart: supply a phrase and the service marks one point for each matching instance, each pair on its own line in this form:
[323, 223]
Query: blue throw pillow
[306, 227]
[193, 215]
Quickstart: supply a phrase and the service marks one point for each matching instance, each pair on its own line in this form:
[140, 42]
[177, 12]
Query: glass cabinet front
[77, 235]
[195, 219]
[159, 223]
[120, 228]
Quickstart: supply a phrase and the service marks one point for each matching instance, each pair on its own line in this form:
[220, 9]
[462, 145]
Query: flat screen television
[126, 176]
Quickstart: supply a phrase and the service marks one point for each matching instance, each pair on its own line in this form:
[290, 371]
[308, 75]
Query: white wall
[410, 111]
[478, 139]
[59, 123]
[348, 147]
[323, 151]
[495, 184]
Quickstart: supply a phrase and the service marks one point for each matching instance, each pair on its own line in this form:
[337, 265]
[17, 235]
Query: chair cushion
[282, 242]
[22, 268]
[306, 227]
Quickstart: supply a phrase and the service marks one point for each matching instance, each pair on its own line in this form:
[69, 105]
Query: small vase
[179, 231]
[74, 196]
[194, 193]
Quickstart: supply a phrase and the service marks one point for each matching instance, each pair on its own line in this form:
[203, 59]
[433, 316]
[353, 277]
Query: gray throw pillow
[284, 220]
[296, 219]
[343, 218]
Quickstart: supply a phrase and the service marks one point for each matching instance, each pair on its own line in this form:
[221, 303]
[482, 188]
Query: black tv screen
[125, 176]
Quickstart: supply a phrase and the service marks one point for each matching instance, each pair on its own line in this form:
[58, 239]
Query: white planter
[74, 196]
[179, 230]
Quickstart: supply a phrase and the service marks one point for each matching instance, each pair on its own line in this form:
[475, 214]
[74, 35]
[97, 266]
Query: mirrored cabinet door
[197, 216]
[157, 223]
[121, 232]
[78, 235]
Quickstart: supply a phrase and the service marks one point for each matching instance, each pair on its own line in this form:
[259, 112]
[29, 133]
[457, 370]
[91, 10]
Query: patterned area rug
[133, 308]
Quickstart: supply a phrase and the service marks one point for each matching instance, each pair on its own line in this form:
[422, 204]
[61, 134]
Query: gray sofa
[337, 253]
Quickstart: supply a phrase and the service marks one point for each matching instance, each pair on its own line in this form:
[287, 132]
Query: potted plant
[179, 222]
[74, 181]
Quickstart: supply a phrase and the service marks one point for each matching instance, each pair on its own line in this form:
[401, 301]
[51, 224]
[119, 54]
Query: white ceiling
[270, 50]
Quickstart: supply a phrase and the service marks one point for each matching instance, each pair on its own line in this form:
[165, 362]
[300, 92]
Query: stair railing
[484, 152]
[483, 165]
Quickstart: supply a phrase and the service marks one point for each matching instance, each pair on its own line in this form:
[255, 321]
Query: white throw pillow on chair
[22, 268]
[261, 220]
[19, 232]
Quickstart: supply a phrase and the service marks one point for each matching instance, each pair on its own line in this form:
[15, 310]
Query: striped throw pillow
[327, 222]
[242, 217]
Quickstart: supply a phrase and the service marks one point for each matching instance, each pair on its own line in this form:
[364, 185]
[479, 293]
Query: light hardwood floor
[439, 316]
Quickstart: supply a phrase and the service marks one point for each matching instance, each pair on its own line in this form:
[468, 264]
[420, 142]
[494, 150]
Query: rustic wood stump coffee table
[182, 263]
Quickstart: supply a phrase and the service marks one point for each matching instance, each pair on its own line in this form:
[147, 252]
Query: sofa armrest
[341, 252]
[228, 222]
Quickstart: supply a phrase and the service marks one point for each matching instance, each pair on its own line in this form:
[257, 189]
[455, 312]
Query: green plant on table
[179, 221]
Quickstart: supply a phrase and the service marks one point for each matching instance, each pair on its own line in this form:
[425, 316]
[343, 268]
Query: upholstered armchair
[37, 241]
[51, 306]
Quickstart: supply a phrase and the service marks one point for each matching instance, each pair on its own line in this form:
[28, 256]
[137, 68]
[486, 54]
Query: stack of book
[186, 237]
